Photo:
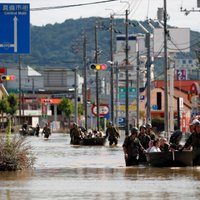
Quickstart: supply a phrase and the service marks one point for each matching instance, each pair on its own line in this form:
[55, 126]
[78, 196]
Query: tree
[67, 107]
[13, 106]
[8, 105]
[80, 109]
[4, 106]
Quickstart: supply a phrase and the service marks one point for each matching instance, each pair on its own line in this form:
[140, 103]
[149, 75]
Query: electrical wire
[68, 6]
[135, 5]
[148, 9]
[181, 49]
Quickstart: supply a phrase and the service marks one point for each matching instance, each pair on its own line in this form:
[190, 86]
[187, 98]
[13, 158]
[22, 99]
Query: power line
[68, 6]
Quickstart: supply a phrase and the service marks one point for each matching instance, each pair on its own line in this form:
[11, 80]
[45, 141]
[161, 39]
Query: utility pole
[97, 77]
[165, 70]
[187, 12]
[138, 90]
[20, 88]
[126, 72]
[171, 98]
[117, 94]
[85, 77]
[75, 96]
[148, 65]
[111, 71]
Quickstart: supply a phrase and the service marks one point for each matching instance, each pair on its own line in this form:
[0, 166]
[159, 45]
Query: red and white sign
[183, 122]
[103, 110]
[194, 89]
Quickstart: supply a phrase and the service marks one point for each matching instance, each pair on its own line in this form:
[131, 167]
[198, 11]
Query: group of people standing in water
[142, 141]
[29, 130]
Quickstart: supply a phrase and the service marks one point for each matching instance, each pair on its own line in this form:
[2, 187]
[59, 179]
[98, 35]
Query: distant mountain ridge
[61, 45]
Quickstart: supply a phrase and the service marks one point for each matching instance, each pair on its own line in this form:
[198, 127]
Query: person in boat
[112, 134]
[144, 140]
[164, 145]
[75, 134]
[150, 132]
[131, 147]
[156, 146]
[175, 139]
[37, 130]
[46, 131]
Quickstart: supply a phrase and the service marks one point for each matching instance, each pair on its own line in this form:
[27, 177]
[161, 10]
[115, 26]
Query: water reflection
[70, 172]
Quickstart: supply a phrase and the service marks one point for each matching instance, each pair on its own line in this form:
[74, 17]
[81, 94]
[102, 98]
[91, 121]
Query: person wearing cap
[131, 147]
[194, 142]
[150, 132]
[192, 125]
[112, 134]
[144, 140]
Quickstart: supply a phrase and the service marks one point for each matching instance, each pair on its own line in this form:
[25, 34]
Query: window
[183, 62]
[190, 61]
[159, 100]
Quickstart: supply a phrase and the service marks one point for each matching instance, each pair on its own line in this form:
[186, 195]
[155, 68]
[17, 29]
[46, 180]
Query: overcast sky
[139, 10]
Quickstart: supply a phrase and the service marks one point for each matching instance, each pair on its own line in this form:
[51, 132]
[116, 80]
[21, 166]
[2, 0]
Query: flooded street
[63, 171]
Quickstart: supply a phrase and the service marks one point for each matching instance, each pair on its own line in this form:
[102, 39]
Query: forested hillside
[61, 45]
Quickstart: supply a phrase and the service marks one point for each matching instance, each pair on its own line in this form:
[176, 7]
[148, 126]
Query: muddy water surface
[63, 171]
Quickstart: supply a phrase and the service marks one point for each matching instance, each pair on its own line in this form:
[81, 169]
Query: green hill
[61, 45]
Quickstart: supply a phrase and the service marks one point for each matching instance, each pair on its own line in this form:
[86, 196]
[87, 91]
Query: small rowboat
[93, 141]
[171, 159]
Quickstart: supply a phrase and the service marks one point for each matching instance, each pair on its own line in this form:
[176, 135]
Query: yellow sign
[130, 108]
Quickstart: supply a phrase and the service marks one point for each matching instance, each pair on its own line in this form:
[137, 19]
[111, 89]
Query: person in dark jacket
[164, 145]
[144, 140]
[131, 148]
[112, 134]
[75, 134]
[150, 132]
[194, 142]
[37, 130]
[175, 139]
[25, 128]
[47, 131]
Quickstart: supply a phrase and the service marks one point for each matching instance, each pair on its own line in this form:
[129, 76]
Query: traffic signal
[98, 67]
[7, 77]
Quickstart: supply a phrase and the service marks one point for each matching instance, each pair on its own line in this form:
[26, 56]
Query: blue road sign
[121, 121]
[155, 107]
[14, 28]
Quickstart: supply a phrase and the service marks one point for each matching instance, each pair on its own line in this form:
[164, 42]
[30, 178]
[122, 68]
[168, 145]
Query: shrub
[15, 154]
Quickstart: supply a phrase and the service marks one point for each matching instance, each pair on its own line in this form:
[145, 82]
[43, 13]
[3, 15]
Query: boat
[89, 137]
[173, 159]
[93, 141]
[29, 132]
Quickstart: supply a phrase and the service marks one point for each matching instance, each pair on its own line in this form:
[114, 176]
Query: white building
[135, 43]
[31, 80]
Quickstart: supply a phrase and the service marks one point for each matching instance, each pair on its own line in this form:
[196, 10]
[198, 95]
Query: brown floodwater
[63, 171]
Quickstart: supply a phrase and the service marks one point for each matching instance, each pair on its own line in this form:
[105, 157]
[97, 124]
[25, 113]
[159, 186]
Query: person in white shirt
[156, 146]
